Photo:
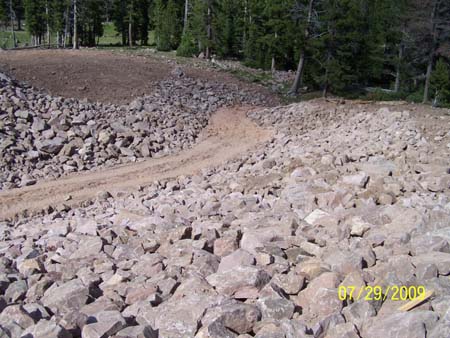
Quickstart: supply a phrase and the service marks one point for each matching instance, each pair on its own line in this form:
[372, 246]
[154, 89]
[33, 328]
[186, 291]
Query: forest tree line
[337, 46]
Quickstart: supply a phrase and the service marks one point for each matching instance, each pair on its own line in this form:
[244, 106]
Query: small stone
[359, 180]
[359, 227]
[29, 266]
[103, 195]
[273, 303]
[108, 324]
[70, 295]
[414, 324]
[16, 291]
[27, 181]
[240, 281]
[238, 257]
[291, 283]
[16, 314]
[140, 331]
[358, 313]
[46, 329]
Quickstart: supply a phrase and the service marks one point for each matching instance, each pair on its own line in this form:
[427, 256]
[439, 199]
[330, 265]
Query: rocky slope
[343, 195]
[46, 137]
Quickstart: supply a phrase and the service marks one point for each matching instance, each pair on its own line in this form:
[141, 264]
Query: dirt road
[230, 133]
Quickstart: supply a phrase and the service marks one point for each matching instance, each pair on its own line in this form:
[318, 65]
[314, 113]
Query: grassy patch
[253, 77]
[111, 37]
[6, 39]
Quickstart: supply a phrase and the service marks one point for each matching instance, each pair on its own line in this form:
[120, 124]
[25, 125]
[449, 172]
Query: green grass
[253, 77]
[6, 40]
[111, 37]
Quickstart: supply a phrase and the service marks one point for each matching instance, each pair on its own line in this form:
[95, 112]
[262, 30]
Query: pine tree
[35, 18]
[142, 21]
[439, 29]
[4, 13]
[255, 50]
[198, 24]
[229, 28]
[57, 18]
[119, 13]
[90, 22]
[162, 30]
[131, 19]
[19, 12]
[440, 83]
[173, 24]
[187, 47]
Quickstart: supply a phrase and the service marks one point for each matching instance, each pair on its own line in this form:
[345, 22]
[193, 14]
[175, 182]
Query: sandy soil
[229, 134]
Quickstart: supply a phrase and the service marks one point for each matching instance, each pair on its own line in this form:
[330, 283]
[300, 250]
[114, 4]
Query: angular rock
[401, 325]
[108, 324]
[46, 329]
[62, 298]
[240, 281]
[139, 331]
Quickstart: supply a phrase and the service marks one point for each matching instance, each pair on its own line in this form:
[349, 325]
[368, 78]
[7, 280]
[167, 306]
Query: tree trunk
[432, 53]
[48, 24]
[272, 68]
[427, 79]
[244, 36]
[186, 13]
[399, 64]
[12, 14]
[327, 71]
[66, 24]
[301, 64]
[130, 31]
[299, 74]
[208, 32]
[75, 23]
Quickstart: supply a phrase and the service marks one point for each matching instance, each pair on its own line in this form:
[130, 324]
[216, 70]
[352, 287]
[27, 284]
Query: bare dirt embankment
[102, 76]
[97, 76]
[229, 133]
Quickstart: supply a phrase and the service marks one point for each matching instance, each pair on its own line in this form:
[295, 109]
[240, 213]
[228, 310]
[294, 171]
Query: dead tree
[75, 24]
[433, 48]
[301, 64]
[12, 15]
[186, 14]
[208, 31]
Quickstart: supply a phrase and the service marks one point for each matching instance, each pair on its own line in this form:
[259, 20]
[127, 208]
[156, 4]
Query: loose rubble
[342, 195]
[46, 137]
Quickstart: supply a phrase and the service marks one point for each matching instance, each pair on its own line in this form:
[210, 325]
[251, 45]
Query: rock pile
[256, 248]
[43, 136]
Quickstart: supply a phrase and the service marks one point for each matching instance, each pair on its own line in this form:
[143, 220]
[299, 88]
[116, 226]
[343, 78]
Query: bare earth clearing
[97, 75]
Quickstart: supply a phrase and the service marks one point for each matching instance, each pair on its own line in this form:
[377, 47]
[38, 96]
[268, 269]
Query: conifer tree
[35, 18]
[162, 31]
[440, 83]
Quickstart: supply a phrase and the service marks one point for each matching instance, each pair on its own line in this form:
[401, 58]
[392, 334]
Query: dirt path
[230, 133]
